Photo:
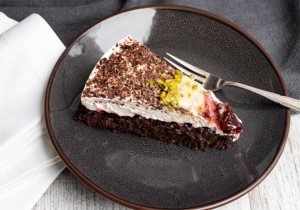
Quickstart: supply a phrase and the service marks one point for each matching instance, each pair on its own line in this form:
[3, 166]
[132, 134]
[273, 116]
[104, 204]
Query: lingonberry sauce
[227, 119]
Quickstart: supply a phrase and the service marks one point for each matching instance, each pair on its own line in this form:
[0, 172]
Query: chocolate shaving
[129, 70]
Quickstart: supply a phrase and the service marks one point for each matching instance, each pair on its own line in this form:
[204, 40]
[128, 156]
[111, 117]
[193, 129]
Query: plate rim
[211, 205]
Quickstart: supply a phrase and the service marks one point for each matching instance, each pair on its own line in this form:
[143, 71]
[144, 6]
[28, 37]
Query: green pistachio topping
[192, 76]
[170, 94]
[195, 87]
[171, 110]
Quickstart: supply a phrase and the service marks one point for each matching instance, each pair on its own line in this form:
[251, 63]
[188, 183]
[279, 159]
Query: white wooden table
[280, 190]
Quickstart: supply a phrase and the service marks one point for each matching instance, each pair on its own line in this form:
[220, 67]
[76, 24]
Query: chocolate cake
[132, 90]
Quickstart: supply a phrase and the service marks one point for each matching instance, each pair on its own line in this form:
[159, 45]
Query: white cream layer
[131, 108]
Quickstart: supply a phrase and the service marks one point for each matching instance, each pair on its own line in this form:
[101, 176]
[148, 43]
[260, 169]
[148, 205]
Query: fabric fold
[6, 23]
[28, 161]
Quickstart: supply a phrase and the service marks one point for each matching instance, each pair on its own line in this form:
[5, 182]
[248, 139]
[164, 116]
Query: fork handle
[291, 103]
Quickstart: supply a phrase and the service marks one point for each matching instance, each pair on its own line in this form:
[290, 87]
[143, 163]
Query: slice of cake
[132, 90]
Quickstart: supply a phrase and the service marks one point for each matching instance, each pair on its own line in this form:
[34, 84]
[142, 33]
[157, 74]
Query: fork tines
[191, 69]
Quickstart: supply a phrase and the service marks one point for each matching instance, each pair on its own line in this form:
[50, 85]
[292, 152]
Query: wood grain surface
[280, 190]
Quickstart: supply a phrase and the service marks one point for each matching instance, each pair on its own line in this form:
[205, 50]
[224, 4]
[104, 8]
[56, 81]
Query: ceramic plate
[146, 173]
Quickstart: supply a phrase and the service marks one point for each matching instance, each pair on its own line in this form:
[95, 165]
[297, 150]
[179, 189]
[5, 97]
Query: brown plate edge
[135, 206]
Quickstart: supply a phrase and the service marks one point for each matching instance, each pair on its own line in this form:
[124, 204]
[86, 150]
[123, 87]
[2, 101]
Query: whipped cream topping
[190, 99]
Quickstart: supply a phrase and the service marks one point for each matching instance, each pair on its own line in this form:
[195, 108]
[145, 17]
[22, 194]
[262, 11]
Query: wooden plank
[281, 189]
[242, 203]
[68, 193]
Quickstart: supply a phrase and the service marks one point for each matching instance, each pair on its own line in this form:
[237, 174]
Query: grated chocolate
[126, 74]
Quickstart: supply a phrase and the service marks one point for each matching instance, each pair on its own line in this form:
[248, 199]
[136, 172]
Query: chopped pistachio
[174, 102]
[178, 72]
[178, 80]
[172, 84]
[170, 94]
[174, 88]
[159, 82]
[195, 87]
[150, 82]
[162, 102]
[168, 99]
[171, 110]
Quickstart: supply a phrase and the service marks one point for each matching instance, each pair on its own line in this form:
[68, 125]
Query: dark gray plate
[146, 173]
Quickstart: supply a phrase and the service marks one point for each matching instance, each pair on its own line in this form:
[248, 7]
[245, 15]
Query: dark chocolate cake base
[195, 138]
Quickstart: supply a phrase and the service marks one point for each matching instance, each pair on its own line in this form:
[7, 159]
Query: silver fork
[211, 82]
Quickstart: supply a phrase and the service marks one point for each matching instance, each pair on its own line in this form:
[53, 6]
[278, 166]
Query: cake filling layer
[130, 109]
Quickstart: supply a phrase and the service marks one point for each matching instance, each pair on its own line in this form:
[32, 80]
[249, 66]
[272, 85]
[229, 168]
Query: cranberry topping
[227, 119]
[210, 109]
[222, 115]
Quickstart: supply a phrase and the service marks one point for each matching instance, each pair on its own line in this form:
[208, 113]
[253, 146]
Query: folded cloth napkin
[6, 23]
[28, 161]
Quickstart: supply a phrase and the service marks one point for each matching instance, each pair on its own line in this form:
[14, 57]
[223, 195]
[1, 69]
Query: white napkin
[6, 23]
[28, 161]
